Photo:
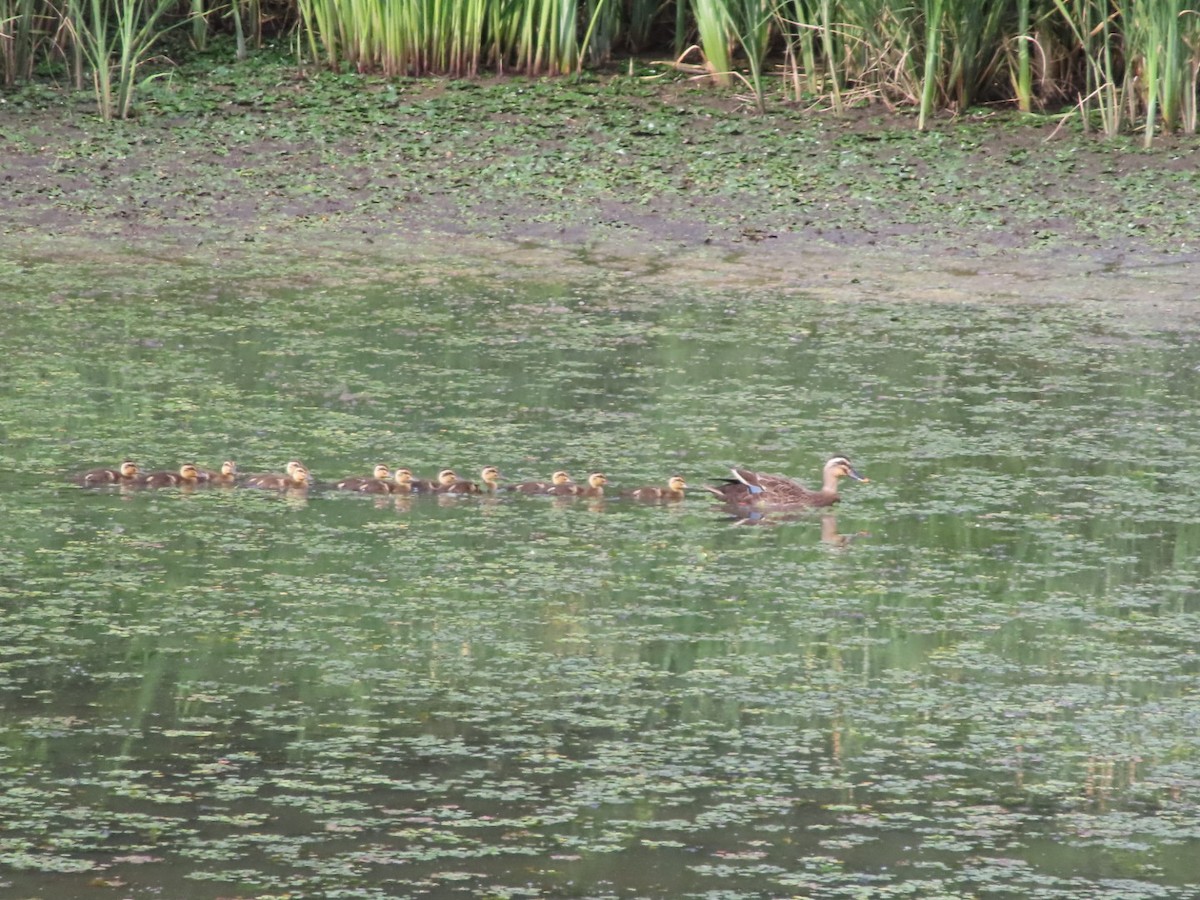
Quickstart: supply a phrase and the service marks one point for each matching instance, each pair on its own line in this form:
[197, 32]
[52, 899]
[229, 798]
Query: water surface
[978, 675]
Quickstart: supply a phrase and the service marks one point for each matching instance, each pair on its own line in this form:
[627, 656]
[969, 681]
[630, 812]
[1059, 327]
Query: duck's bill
[856, 476]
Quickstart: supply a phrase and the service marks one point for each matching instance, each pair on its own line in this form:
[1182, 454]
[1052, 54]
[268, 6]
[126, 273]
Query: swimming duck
[673, 491]
[291, 467]
[401, 483]
[226, 475]
[187, 474]
[445, 478]
[595, 487]
[297, 476]
[487, 483]
[126, 473]
[558, 479]
[355, 483]
[759, 489]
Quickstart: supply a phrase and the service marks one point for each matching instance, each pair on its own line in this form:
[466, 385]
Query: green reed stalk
[712, 22]
[933, 28]
[1155, 35]
[1024, 80]
[18, 41]
[751, 21]
[116, 39]
[804, 27]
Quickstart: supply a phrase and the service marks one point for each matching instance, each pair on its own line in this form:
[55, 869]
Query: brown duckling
[759, 489]
[254, 480]
[355, 483]
[595, 487]
[126, 473]
[558, 479]
[226, 475]
[445, 478]
[401, 483]
[188, 474]
[673, 491]
[296, 477]
[487, 483]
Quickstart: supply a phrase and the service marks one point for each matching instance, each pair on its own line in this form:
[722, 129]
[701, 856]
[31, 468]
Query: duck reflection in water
[739, 516]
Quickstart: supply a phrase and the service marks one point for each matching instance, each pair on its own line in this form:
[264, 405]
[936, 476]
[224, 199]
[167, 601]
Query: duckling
[595, 487]
[487, 484]
[380, 473]
[558, 479]
[445, 478]
[188, 474]
[759, 489]
[289, 469]
[226, 475]
[401, 483]
[297, 477]
[673, 491]
[126, 473]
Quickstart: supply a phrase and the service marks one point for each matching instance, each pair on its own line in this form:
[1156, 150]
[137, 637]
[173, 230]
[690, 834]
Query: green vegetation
[1119, 63]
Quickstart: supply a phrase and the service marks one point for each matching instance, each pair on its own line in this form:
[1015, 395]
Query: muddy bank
[648, 178]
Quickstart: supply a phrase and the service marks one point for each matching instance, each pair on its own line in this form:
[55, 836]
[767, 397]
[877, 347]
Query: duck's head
[229, 468]
[292, 466]
[490, 475]
[189, 472]
[446, 477]
[676, 483]
[597, 480]
[840, 467]
[403, 476]
[382, 472]
[299, 474]
[560, 477]
[129, 469]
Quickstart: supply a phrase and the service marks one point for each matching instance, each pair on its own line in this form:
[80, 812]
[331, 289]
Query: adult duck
[748, 488]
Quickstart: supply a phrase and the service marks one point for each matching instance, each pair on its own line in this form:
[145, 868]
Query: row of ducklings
[381, 481]
[745, 488]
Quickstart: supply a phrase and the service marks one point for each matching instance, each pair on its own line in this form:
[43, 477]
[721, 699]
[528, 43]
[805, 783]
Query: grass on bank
[1118, 63]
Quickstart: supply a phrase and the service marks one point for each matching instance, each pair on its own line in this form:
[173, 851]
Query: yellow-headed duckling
[487, 484]
[558, 479]
[595, 487]
[354, 483]
[226, 475]
[759, 489]
[445, 478]
[126, 473]
[187, 474]
[673, 491]
[289, 469]
[296, 477]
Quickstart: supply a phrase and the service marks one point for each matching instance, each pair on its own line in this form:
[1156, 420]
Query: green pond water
[979, 676]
